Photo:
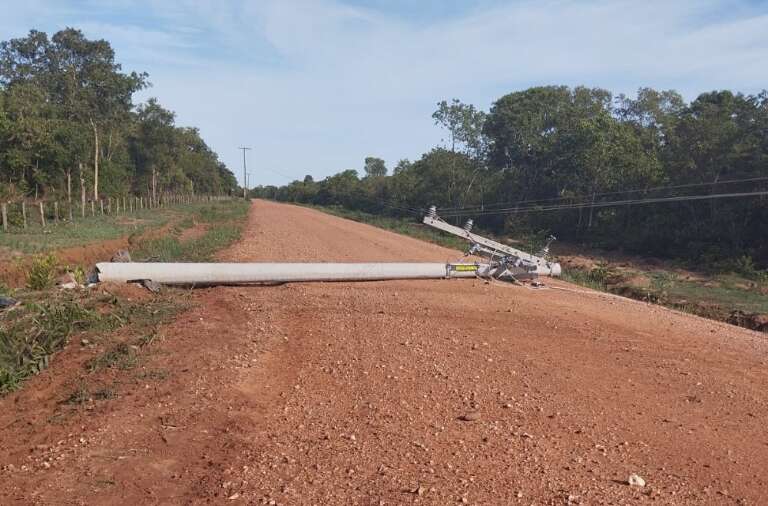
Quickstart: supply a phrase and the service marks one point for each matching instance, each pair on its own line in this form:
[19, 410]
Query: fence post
[24, 212]
[5, 216]
[56, 211]
[42, 214]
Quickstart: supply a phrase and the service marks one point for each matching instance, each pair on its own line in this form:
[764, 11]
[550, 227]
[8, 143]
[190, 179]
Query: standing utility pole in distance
[245, 176]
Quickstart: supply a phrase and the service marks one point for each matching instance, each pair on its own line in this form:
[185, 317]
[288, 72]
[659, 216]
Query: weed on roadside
[153, 375]
[121, 356]
[79, 395]
[84, 392]
[597, 278]
[31, 334]
[41, 273]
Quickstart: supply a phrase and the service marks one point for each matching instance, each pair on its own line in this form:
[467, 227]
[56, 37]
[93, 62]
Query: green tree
[77, 75]
[374, 167]
[464, 124]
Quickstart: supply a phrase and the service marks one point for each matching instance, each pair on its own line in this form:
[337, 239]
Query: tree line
[69, 125]
[581, 163]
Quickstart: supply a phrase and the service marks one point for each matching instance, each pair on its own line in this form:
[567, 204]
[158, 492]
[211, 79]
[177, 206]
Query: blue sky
[315, 86]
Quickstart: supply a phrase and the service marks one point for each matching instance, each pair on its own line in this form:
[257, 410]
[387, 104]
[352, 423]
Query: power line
[289, 178]
[583, 205]
[603, 194]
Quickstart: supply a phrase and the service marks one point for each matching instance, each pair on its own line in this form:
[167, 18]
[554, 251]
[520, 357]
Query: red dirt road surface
[405, 392]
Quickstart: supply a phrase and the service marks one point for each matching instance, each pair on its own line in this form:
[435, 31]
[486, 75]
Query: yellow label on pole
[464, 267]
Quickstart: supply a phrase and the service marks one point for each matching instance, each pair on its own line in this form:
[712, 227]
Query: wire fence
[21, 215]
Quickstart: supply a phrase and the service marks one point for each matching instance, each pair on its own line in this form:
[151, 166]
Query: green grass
[36, 239]
[749, 301]
[717, 296]
[46, 320]
[584, 278]
[224, 223]
[88, 230]
[30, 334]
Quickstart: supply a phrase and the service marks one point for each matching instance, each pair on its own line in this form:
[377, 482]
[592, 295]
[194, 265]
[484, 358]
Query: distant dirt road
[345, 393]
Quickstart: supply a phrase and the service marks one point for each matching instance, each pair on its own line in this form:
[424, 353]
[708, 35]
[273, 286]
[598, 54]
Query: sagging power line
[489, 206]
[616, 203]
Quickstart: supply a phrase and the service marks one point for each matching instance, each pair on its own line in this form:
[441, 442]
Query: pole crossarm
[524, 262]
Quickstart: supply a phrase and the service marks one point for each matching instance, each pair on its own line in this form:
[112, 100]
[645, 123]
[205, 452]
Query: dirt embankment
[13, 271]
[402, 392]
[728, 297]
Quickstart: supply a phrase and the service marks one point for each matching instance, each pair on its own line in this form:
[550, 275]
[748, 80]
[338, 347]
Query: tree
[402, 165]
[465, 126]
[80, 76]
[92, 85]
[152, 144]
[65, 103]
[375, 167]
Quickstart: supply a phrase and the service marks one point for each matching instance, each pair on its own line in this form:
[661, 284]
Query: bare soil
[194, 232]
[402, 392]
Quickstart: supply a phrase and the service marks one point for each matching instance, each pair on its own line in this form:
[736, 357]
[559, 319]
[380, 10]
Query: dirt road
[355, 393]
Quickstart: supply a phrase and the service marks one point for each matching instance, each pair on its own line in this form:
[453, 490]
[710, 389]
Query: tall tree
[374, 167]
[464, 124]
[67, 106]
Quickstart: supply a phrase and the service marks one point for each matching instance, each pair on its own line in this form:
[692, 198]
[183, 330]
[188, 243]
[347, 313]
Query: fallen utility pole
[255, 273]
[519, 263]
[503, 263]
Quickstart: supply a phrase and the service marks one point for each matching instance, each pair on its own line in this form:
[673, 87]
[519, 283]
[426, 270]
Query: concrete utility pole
[245, 176]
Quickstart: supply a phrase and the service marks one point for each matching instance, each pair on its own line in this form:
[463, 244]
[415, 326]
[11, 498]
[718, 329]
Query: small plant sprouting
[121, 356]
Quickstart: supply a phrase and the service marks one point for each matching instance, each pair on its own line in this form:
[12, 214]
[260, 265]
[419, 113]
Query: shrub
[42, 272]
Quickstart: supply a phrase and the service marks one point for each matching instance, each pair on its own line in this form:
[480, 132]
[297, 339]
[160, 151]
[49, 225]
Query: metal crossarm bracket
[518, 262]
